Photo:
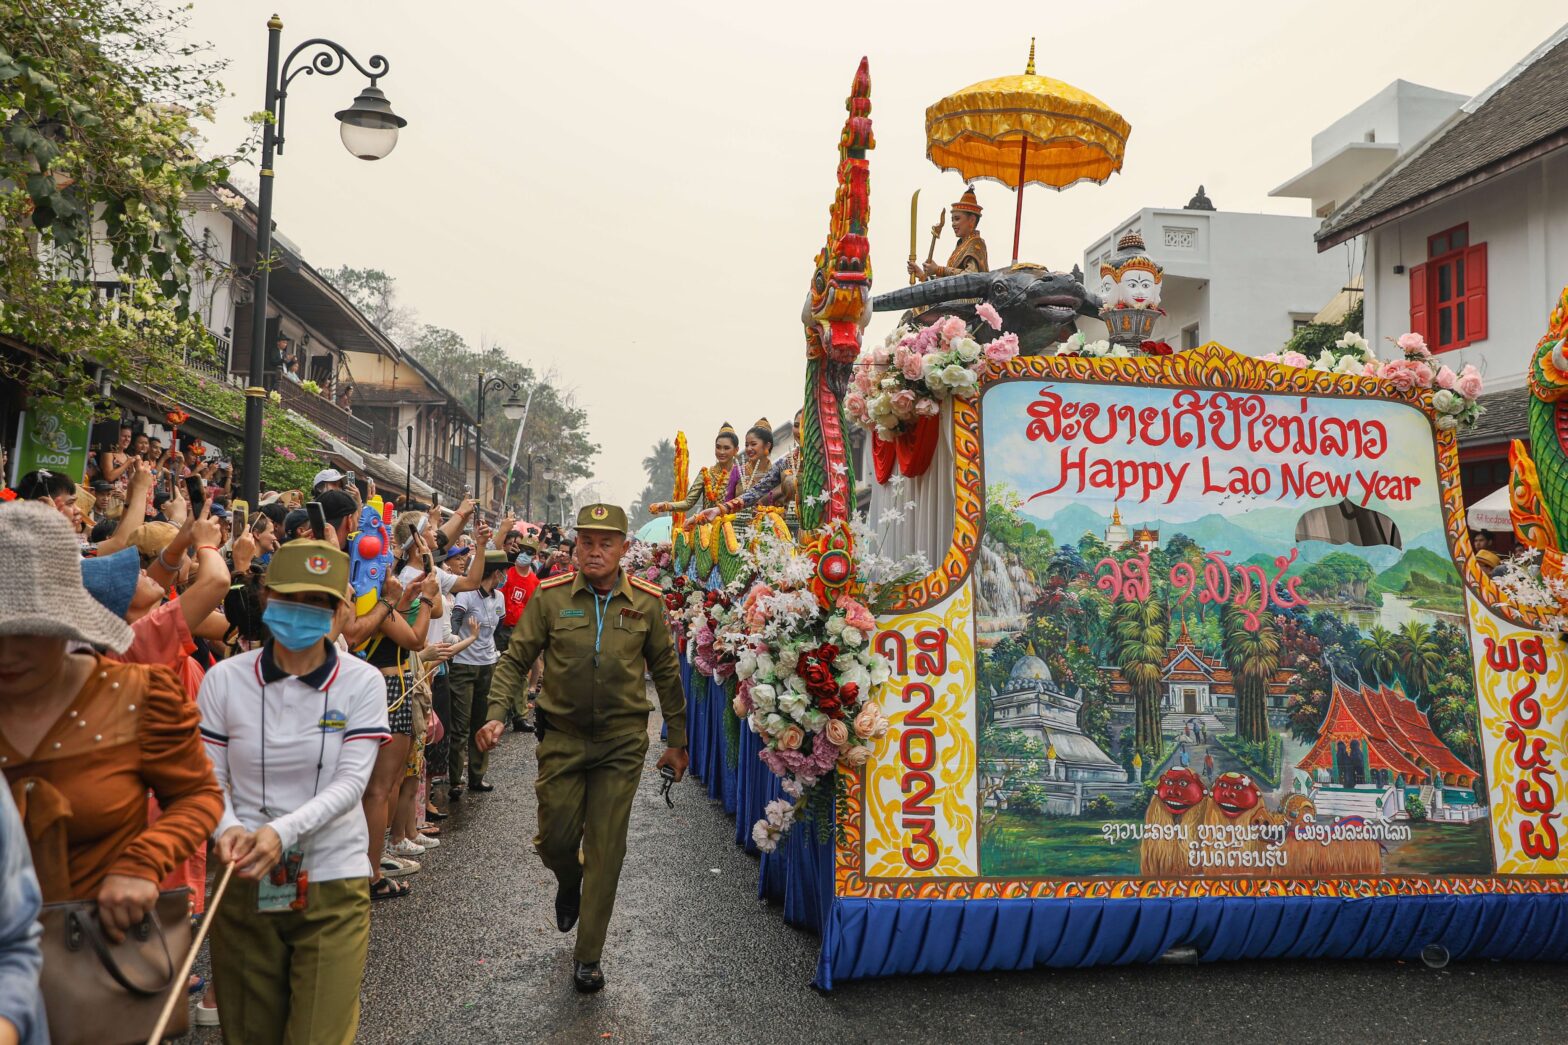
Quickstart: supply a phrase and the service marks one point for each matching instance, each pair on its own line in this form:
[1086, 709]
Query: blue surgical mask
[295, 625]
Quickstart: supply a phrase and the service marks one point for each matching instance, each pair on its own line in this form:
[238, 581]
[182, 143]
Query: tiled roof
[1526, 116]
[1507, 417]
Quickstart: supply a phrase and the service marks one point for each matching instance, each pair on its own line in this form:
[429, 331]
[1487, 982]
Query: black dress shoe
[587, 976]
[454, 793]
[521, 725]
[567, 900]
[480, 786]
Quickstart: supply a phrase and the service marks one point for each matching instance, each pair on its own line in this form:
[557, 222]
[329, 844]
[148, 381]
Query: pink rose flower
[1413, 344]
[1272, 357]
[792, 738]
[836, 732]
[1370, 370]
[913, 366]
[1295, 359]
[866, 720]
[953, 327]
[1446, 377]
[989, 315]
[927, 408]
[904, 403]
[855, 756]
[856, 615]
[752, 611]
[1422, 372]
[1001, 349]
[1398, 373]
[1468, 383]
[855, 403]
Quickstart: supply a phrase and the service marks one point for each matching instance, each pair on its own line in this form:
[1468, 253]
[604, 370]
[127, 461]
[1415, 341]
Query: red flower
[831, 706]
[7, 494]
[1156, 348]
[827, 651]
[850, 691]
[815, 674]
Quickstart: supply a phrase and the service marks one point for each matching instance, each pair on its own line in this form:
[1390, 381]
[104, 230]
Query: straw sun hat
[43, 592]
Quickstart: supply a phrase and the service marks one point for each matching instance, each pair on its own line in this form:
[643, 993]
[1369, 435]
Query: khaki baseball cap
[308, 566]
[602, 517]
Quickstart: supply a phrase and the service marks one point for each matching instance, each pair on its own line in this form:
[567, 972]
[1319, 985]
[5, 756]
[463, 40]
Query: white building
[1244, 280]
[1466, 241]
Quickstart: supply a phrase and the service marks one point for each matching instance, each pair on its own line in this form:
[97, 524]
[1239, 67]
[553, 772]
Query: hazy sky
[633, 193]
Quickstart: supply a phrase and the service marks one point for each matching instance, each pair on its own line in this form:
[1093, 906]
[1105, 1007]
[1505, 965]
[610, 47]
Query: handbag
[101, 993]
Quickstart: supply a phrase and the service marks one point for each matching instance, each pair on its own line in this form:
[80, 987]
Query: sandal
[435, 814]
[388, 889]
[429, 830]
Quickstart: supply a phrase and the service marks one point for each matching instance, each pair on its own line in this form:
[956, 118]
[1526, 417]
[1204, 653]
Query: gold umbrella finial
[1029, 69]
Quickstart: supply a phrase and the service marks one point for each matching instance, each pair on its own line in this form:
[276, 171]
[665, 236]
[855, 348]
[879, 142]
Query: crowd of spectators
[184, 687]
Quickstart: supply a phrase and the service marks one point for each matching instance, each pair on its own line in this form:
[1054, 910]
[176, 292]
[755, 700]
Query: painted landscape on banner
[1219, 633]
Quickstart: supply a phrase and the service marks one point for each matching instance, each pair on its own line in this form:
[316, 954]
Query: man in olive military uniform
[598, 630]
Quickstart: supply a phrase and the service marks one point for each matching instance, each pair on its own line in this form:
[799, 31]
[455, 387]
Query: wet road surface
[473, 956]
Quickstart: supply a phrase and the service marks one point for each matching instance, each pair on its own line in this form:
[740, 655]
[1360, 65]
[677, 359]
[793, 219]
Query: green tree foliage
[1313, 338]
[1139, 631]
[1339, 575]
[557, 426]
[1030, 545]
[1377, 655]
[1420, 660]
[97, 157]
[659, 466]
[1253, 656]
[1011, 757]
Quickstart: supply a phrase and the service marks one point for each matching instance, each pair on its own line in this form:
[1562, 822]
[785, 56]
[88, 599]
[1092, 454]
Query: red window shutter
[1418, 314]
[1475, 293]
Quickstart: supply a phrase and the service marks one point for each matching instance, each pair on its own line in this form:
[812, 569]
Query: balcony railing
[443, 475]
[216, 366]
[333, 418]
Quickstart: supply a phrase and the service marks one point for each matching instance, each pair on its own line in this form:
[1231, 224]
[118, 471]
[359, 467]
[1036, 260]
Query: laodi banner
[1207, 626]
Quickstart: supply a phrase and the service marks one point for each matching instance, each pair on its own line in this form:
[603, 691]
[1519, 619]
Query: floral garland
[1454, 395]
[908, 376]
[715, 494]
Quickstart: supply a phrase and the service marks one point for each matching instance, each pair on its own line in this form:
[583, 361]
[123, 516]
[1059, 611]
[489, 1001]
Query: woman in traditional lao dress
[708, 488]
[758, 461]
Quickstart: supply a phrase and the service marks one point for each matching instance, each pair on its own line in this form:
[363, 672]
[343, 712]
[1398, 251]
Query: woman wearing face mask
[293, 729]
[707, 490]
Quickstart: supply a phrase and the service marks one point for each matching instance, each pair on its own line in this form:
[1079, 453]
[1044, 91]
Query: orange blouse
[83, 793]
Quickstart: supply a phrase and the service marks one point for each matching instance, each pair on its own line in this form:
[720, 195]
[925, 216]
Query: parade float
[1199, 661]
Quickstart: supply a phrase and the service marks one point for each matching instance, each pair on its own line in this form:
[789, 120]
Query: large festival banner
[1208, 626]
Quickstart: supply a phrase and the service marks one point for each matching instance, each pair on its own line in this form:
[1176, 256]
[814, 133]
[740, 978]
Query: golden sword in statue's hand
[914, 230]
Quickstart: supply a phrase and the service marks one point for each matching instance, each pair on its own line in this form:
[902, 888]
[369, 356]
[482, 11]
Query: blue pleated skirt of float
[867, 938]
[864, 938]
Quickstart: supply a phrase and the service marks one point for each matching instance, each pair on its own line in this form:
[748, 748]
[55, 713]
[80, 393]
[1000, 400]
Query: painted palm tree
[1420, 659]
[1378, 653]
[1138, 635]
[1253, 657]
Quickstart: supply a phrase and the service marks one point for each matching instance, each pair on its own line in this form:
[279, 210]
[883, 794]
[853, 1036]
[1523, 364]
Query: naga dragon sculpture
[1038, 305]
[835, 315]
[1538, 483]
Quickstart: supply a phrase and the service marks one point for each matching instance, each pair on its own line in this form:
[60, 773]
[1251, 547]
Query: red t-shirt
[518, 588]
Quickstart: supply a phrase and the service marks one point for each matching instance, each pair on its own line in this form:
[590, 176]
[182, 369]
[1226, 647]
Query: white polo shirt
[296, 753]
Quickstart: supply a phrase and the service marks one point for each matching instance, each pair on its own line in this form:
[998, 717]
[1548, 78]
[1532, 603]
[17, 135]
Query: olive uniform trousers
[585, 791]
[292, 977]
[470, 687]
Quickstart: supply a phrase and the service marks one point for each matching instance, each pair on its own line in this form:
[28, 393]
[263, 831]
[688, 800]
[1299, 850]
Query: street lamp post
[368, 128]
[514, 409]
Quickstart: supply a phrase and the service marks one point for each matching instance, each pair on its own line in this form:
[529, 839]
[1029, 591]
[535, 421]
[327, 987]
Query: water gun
[370, 554]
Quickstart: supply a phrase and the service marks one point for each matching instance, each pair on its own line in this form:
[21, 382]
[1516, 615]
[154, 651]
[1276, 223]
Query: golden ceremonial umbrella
[1026, 130]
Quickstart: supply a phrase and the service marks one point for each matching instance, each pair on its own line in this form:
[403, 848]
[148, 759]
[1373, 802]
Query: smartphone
[318, 520]
[348, 476]
[196, 492]
[241, 512]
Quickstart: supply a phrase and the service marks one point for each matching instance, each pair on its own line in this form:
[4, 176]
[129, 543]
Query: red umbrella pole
[1018, 219]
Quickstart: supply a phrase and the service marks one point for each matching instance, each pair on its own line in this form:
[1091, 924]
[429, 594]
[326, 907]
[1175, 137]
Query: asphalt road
[473, 956]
